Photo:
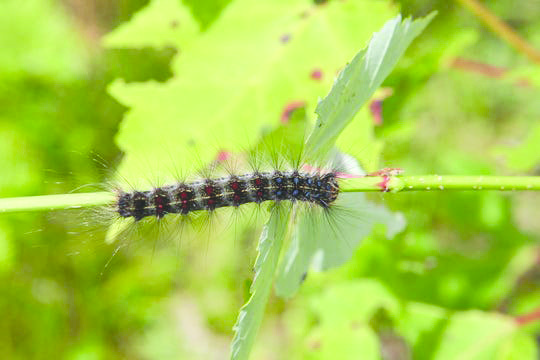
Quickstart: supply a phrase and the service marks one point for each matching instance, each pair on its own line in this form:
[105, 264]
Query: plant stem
[362, 184]
[437, 182]
[55, 202]
[502, 29]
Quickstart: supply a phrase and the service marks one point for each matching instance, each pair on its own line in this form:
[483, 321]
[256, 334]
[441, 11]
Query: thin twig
[500, 28]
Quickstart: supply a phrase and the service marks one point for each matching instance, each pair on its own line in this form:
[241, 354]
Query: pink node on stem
[384, 183]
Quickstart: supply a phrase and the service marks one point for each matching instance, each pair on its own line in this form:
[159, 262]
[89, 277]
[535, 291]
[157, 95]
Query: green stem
[55, 202]
[437, 182]
[363, 184]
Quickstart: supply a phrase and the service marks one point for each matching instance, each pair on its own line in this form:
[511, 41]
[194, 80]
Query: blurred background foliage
[460, 282]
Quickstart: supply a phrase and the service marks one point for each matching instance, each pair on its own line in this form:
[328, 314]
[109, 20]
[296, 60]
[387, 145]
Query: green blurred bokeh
[64, 295]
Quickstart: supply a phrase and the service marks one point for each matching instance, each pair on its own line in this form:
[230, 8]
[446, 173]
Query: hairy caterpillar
[211, 194]
[234, 191]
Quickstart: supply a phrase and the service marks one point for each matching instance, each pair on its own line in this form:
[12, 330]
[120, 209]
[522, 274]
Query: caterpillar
[211, 194]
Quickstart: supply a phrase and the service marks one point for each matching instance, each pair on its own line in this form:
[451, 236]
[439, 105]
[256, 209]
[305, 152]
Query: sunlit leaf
[477, 335]
[231, 84]
[162, 23]
[38, 38]
[526, 155]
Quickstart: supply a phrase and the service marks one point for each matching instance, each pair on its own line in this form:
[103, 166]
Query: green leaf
[349, 300]
[464, 335]
[479, 335]
[343, 313]
[523, 260]
[7, 252]
[38, 39]
[21, 174]
[328, 239]
[519, 346]
[161, 23]
[422, 325]
[231, 84]
[251, 314]
[359, 80]
[529, 74]
[525, 156]
[206, 11]
[329, 342]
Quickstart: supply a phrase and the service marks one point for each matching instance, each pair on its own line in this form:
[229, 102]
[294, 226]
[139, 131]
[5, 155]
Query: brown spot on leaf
[289, 108]
[316, 74]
